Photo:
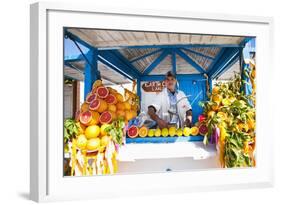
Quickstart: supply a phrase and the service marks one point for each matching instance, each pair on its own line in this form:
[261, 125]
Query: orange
[95, 118]
[119, 97]
[215, 90]
[215, 107]
[217, 98]
[92, 131]
[111, 108]
[127, 105]
[96, 84]
[143, 131]
[81, 127]
[120, 106]
[84, 107]
[129, 115]
[251, 124]
[194, 131]
[211, 114]
[120, 114]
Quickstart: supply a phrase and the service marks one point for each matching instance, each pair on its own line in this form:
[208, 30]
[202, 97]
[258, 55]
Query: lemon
[102, 129]
[81, 141]
[179, 132]
[165, 132]
[93, 144]
[186, 131]
[172, 131]
[105, 140]
[157, 133]
[150, 132]
[92, 131]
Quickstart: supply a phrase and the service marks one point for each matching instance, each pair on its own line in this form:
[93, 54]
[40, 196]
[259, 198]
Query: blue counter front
[164, 139]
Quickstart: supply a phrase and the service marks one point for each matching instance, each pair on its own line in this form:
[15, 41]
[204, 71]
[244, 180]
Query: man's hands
[162, 123]
[152, 113]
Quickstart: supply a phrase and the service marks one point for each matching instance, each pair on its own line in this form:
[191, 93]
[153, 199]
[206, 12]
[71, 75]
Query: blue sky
[70, 49]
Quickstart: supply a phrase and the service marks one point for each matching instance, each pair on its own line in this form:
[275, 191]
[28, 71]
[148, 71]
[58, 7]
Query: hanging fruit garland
[230, 119]
[97, 131]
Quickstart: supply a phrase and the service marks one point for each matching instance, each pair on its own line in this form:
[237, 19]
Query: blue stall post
[91, 71]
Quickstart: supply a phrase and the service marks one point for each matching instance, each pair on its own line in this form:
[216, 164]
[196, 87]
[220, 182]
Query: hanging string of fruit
[97, 131]
[230, 118]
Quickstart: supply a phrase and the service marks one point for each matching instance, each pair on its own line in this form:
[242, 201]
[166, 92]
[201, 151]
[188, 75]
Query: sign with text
[153, 86]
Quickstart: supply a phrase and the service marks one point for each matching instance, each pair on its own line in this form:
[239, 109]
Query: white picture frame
[46, 146]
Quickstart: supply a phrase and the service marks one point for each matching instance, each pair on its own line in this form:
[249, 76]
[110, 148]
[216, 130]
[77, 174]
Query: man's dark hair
[170, 74]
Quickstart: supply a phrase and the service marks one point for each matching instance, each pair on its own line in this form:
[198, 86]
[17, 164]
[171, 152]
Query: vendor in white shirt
[172, 107]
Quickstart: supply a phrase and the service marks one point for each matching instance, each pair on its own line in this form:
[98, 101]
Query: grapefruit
[203, 129]
[90, 97]
[85, 117]
[133, 131]
[143, 131]
[111, 99]
[92, 131]
[102, 92]
[194, 131]
[81, 141]
[111, 108]
[98, 105]
[93, 144]
[106, 117]
[95, 118]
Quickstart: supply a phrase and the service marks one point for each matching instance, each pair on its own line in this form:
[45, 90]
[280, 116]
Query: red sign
[153, 86]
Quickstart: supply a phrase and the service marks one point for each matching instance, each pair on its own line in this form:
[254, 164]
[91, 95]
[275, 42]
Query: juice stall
[115, 75]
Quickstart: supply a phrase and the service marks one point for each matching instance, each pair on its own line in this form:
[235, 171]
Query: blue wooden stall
[205, 62]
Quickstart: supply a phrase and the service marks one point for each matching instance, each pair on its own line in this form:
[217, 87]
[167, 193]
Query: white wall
[14, 52]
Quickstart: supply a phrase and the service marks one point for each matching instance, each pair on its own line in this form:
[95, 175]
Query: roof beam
[198, 53]
[174, 62]
[228, 58]
[77, 39]
[190, 61]
[114, 67]
[216, 59]
[156, 62]
[170, 46]
[145, 55]
[125, 61]
[179, 77]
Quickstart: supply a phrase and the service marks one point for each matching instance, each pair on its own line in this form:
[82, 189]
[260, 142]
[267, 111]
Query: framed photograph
[130, 102]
